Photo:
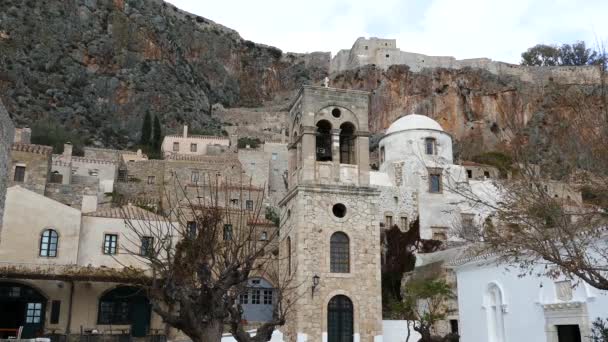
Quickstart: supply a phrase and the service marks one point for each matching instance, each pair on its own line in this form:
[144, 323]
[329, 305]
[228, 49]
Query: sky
[500, 30]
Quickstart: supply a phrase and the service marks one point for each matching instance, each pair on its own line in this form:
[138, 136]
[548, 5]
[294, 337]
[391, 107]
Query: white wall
[26, 215]
[524, 318]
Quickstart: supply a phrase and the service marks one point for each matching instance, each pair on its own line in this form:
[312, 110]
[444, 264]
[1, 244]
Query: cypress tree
[146, 130]
[157, 137]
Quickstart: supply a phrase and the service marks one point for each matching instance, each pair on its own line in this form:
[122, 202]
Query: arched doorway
[340, 319]
[125, 305]
[21, 306]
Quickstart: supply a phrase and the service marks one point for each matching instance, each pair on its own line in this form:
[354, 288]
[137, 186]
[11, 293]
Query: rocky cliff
[97, 66]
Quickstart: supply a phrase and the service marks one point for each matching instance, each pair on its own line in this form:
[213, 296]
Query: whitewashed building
[497, 305]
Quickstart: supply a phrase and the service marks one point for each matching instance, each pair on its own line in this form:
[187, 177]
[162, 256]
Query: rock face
[476, 106]
[97, 66]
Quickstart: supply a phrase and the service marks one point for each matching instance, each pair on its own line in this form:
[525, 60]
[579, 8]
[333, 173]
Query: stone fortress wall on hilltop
[384, 53]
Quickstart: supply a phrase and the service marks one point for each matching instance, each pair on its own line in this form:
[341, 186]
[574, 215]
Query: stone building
[197, 145]
[330, 241]
[267, 167]
[7, 132]
[384, 52]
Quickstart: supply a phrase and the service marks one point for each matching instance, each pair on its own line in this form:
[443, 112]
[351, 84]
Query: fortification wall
[7, 131]
[384, 53]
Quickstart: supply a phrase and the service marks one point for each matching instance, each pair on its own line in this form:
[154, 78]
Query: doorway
[568, 333]
[340, 319]
[21, 306]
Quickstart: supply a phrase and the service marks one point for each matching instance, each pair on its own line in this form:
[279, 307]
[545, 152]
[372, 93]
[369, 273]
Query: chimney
[89, 204]
[67, 150]
[185, 131]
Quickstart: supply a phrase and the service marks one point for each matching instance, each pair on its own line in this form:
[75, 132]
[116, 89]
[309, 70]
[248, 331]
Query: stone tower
[330, 241]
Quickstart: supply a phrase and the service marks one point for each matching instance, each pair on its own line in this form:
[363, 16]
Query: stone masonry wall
[37, 162]
[7, 131]
[310, 227]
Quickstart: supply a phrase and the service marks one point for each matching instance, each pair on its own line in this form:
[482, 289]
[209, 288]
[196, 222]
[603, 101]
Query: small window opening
[430, 146]
[469, 173]
[336, 113]
[339, 210]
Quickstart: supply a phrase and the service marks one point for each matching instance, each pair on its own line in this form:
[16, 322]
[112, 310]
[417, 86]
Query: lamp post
[315, 283]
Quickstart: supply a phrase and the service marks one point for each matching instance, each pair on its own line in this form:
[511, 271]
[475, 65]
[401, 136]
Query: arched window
[347, 143]
[324, 141]
[339, 253]
[48, 243]
[495, 314]
[288, 255]
[430, 146]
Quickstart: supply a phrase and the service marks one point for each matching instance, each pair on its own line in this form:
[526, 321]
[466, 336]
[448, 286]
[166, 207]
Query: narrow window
[274, 156]
[339, 253]
[227, 232]
[244, 297]
[194, 176]
[382, 154]
[469, 173]
[48, 243]
[147, 246]
[429, 144]
[110, 244]
[175, 147]
[264, 236]
[267, 298]
[55, 310]
[255, 296]
[151, 179]
[388, 221]
[435, 182]
[122, 175]
[191, 229]
[324, 141]
[19, 174]
[249, 204]
[454, 326]
[404, 223]
[347, 143]
[193, 147]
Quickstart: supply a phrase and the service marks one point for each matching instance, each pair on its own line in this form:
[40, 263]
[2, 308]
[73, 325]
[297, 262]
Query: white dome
[413, 121]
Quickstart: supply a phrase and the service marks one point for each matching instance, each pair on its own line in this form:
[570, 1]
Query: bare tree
[538, 217]
[212, 239]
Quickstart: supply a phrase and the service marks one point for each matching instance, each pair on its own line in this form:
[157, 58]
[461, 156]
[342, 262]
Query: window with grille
[34, 312]
[19, 174]
[227, 232]
[249, 204]
[122, 175]
[267, 297]
[255, 296]
[113, 312]
[147, 246]
[175, 147]
[48, 243]
[244, 298]
[339, 253]
[110, 243]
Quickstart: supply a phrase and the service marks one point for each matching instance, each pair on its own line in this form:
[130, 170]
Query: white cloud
[497, 29]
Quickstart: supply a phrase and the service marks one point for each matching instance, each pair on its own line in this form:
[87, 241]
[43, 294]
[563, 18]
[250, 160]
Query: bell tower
[330, 242]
